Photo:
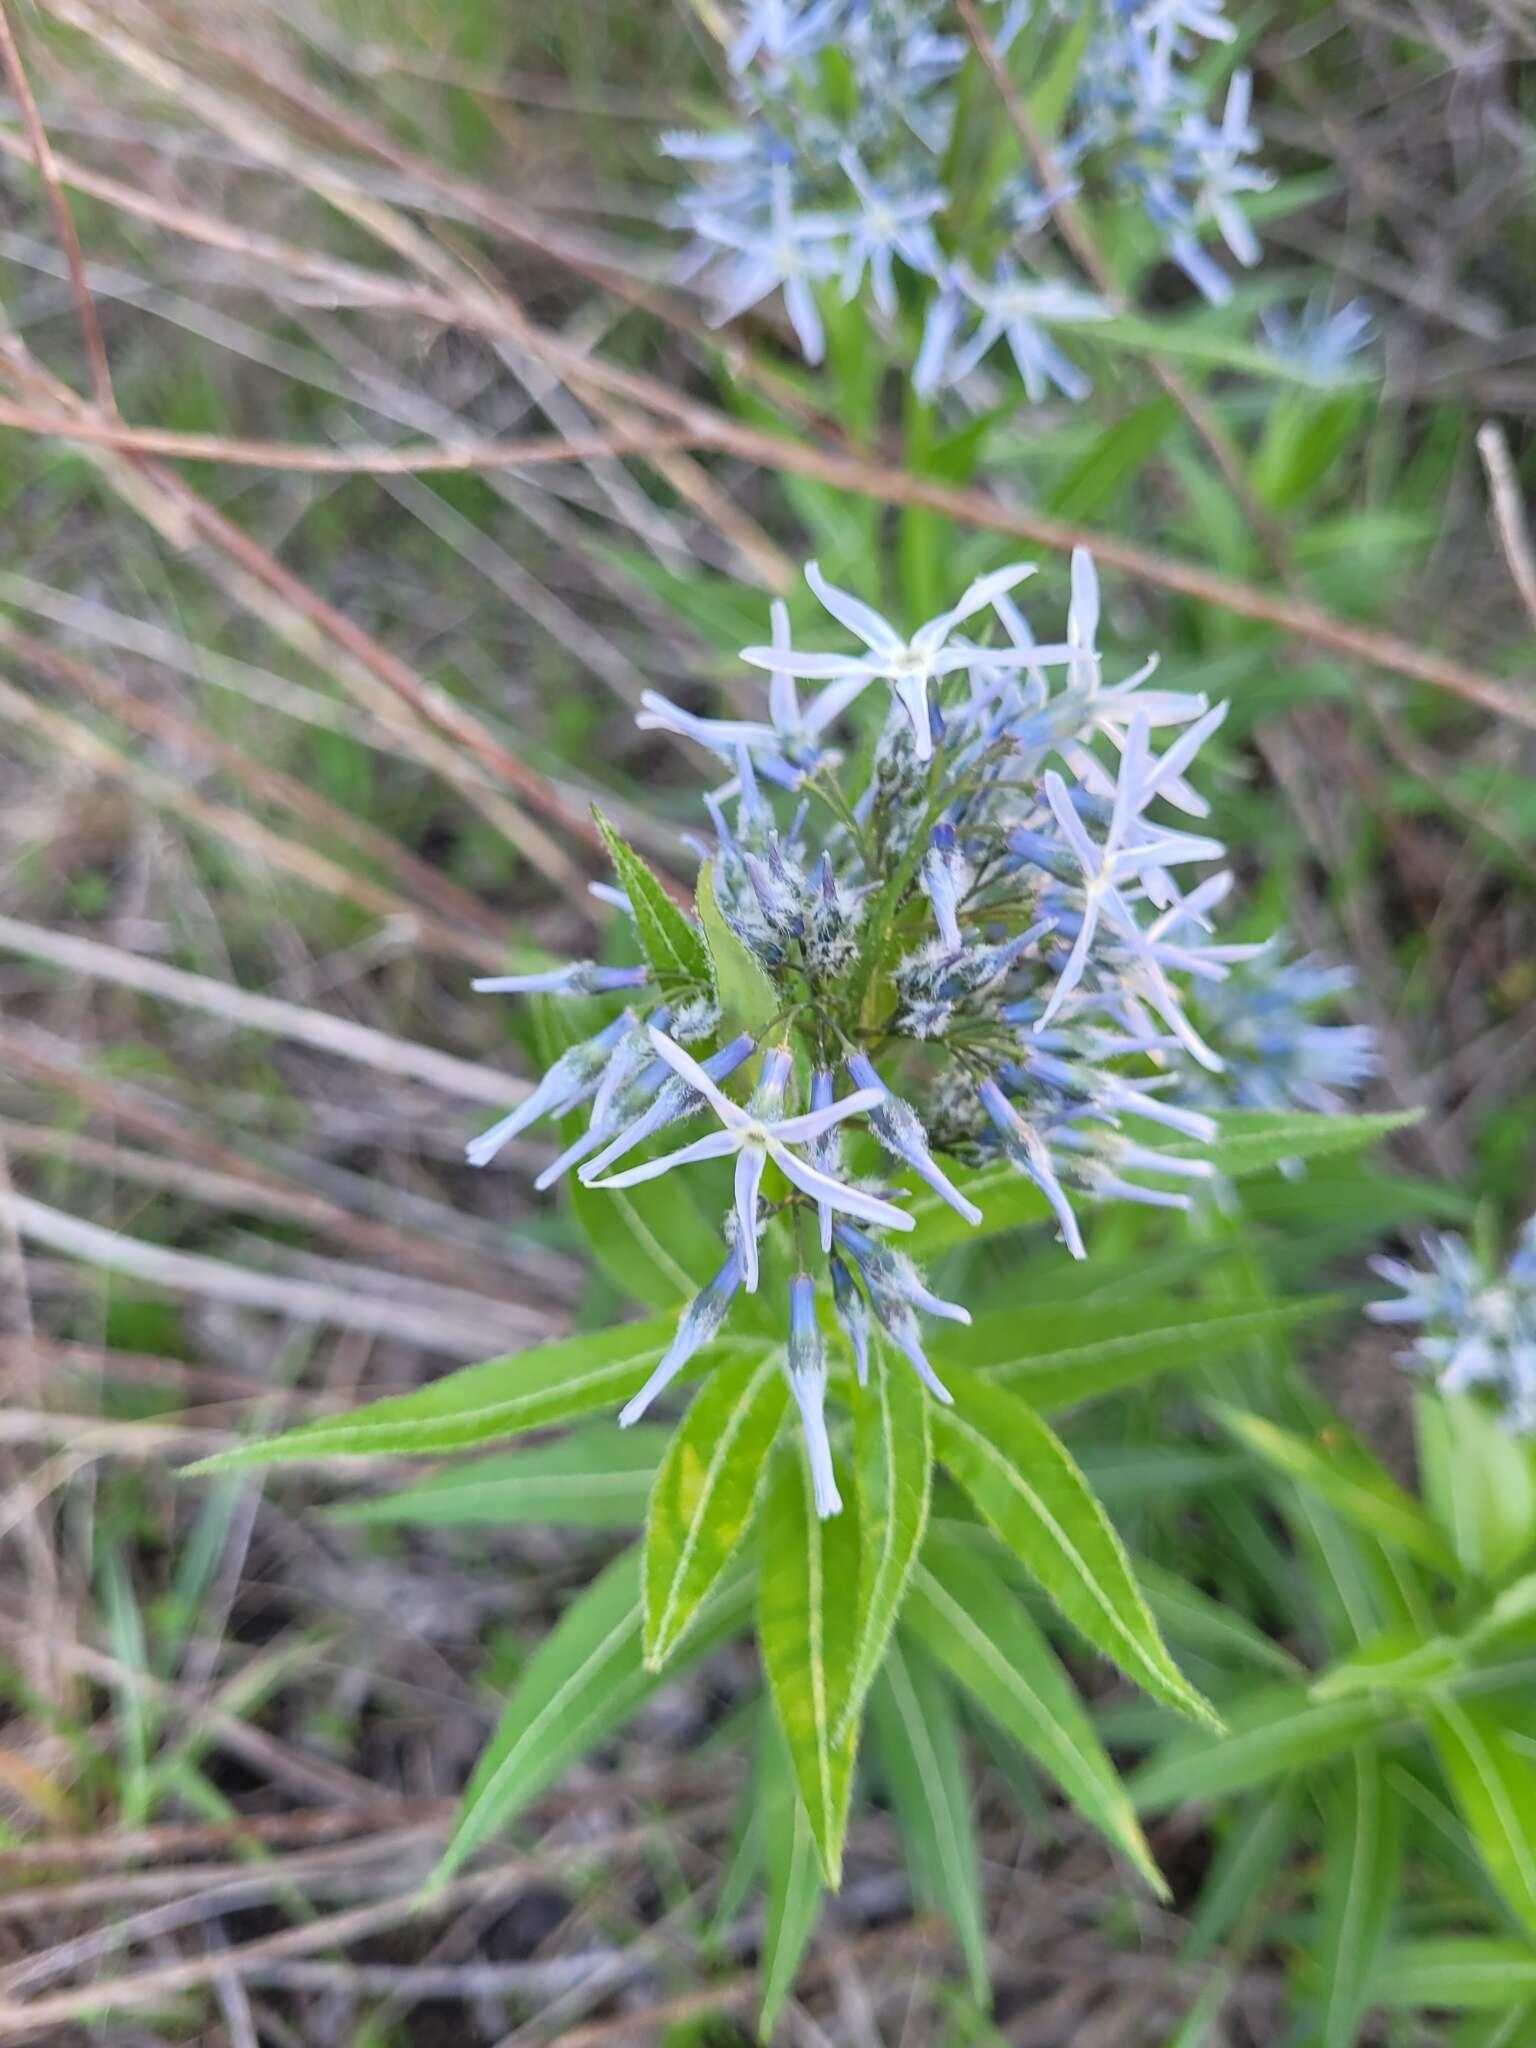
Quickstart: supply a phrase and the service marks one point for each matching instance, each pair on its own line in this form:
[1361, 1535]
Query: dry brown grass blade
[58, 206]
[332, 1930]
[1294, 616]
[440, 732]
[444, 1322]
[247, 835]
[843, 470]
[264, 783]
[378, 1050]
[384, 459]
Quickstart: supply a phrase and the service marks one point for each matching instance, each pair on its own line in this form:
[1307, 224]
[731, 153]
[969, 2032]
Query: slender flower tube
[807, 1368]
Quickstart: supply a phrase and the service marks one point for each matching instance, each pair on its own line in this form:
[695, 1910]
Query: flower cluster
[970, 951]
[1477, 1325]
[846, 169]
[1276, 1054]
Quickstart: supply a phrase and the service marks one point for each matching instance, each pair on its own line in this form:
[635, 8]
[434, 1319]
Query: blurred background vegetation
[288, 754]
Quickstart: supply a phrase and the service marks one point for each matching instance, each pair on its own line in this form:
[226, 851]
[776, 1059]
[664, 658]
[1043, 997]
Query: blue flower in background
[1477, 1325]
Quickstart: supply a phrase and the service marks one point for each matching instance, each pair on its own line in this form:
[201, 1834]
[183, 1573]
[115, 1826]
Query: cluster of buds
[975, 947]
[1477, 1324]
[842, 169]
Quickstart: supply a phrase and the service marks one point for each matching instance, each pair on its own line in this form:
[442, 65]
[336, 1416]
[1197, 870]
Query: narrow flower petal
[822, 1188]
[749, 1178]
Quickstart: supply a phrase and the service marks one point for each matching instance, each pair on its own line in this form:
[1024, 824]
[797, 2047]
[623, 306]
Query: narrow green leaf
[809, 1586]
[1513, 2027]
[1398, 1660]
[1249, 1142]
[1051, 93]
[1362, 1856]
[503, 1397]
[922, 1760]
[671, 942]
[791, 1870]
[660, 1250]
[1274, 1730]
[1193, 342]
[585, 1679]
[1479, 1481]
[1059, 1355]
[748, 1001]
[1343, 1473]
[893, 1467]
[1023, 1481]
[599, 1477]
[1191, 1617]
[966, 1616]
[1258, 1839]
[1494, 1786]
[1455, 1973]
[1113, 460]
[705, 1492]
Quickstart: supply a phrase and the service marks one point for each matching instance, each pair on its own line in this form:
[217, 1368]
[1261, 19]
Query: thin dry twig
[1509, 515]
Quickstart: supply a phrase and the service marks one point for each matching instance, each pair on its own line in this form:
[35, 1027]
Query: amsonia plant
[931, 987]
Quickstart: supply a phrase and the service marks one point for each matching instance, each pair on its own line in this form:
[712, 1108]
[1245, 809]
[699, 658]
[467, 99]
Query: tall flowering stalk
[966, 944]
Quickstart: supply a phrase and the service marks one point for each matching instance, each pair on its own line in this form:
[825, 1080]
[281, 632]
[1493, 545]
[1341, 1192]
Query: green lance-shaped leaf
[658, 1247]
[792, 1885]
[1191, 1617]
[1362, 1856]
[705, 1492]
[748, 1001]
[1457, 1973]
[503, 1397]
[1400, 1660]
[1494, 1786]
[585, 1679]
[977, 1627]
[1343, 1473]
[1274, 1730]
[893, 1465]
[1259, 1839]
[1023, 1481]
[672, 943]
[598, 1477]
[1062, 1354]
[922, 1760]
[1479, 1482]
[1248, 1142]
[808, 1591]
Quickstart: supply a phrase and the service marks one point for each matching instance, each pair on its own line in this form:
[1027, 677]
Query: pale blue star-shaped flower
[909, 666]
[755, 1135]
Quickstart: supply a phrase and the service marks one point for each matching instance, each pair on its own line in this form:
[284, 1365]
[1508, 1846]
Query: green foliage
[893, 1465]
[1029, 1491]
[705, 1492]
[965, 1615]
[485, 1403]
[922, 1761]
[809, 1585]
[585, 1679]
[673, 946]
